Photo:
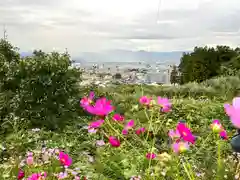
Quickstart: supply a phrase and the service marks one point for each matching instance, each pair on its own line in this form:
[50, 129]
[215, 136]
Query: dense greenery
[41, 90]
[208, 62]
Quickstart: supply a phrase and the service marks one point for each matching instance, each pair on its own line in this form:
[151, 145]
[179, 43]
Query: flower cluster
[182, 138]
[101, 108]
[217, 127]
[164, 103]
[46, 157]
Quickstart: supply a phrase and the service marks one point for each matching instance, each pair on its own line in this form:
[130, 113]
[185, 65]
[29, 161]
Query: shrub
[42, 89]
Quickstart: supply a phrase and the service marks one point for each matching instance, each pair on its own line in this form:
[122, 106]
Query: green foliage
[43, 88]
[205, 63]
[174, 78]
[117, 76]
[8, 51]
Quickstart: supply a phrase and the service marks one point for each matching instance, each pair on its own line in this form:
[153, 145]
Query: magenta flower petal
[140, 130]
[124, 131]
[114, 141]
[102, 107]
[236, 103]
[96, 124]
[38, 176]
[65, 159]
[21, 174]
[91, 95]
[151, 156]
[235, 120]
[130, 124]
[165, 104]
[223, 134]
[185, 133]
[233, 111]
[118, 117]
[144, 100]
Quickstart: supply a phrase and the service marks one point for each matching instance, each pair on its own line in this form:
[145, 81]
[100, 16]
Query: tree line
[206, 62]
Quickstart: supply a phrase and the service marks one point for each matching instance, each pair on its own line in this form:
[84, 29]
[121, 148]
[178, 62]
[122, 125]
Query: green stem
[190, 167]
[187, 171]
[119, 134]
[150, 160]
[219, 157]
[150, 124]
[203, 144]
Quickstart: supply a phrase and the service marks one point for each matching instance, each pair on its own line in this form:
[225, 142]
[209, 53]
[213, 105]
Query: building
[155, 77]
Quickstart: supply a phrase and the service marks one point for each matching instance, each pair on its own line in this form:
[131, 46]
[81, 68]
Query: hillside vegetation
[51, 128]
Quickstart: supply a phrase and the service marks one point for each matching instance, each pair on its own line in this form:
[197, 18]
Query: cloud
[90, 25]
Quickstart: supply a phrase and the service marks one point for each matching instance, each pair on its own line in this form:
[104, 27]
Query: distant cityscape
[125, 73]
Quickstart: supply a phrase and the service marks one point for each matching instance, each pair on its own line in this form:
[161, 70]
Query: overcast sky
[95, 25]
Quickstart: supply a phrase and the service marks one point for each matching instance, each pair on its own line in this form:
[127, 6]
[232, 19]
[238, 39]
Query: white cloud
[91, 25]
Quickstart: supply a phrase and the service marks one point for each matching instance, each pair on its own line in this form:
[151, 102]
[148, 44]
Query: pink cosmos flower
[144, 100]
[165, 104]
[29, 154]
[114, 141]
[180, 147]
[65, 159]
[118, 117]
[62, 175]
[135, 178]
[96, 124]
[38, 176]
[233, 111]
[86, 101]
[140, 130]
[130, 124]
[216, 126]
[185, 133]
[21, 174]
[223, 134]
[124, 131]
[29, 159]
[151, 156]
[100, 143]
[174, 134]
[92, 130]
[102, 107]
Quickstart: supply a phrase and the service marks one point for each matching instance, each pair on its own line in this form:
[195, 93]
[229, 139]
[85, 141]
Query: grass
[198, 104]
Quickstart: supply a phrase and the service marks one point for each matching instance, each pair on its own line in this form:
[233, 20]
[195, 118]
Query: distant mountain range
[126, 56]
[130, 56]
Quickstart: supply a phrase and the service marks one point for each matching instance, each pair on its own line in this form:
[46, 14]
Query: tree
[9, 51]
[117, 76]
[174, 75]
[41, 89]
[203, 63]
[39, 53]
